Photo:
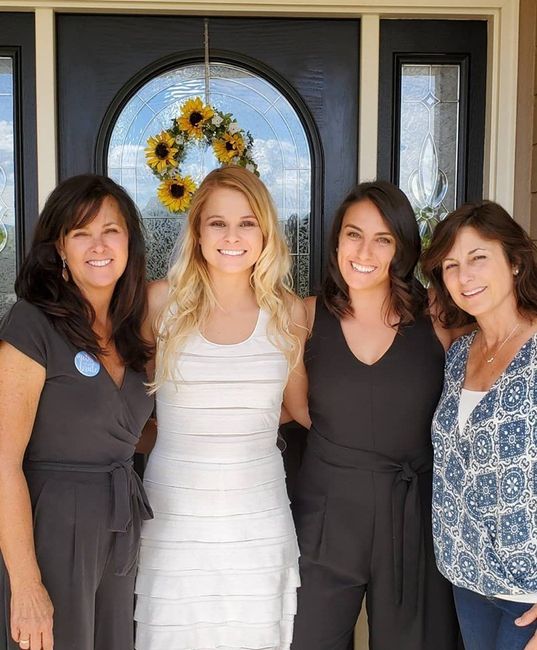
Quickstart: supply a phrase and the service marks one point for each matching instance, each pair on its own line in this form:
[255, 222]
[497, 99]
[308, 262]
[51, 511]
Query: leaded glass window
[429, 140]
[7, 186]
[281, 150]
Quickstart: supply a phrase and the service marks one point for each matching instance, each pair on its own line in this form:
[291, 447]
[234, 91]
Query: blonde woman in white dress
[219, 562]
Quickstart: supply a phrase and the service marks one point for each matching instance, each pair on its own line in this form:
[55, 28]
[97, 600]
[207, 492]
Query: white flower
[250, 167]
[180, 139]
[233, 128]
[217, 120]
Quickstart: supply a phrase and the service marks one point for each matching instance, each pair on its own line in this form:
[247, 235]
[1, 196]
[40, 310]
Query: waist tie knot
[407, 527]
[129, 506]
[407, 473]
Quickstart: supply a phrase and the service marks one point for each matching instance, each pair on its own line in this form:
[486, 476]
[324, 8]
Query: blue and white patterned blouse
[485, 478]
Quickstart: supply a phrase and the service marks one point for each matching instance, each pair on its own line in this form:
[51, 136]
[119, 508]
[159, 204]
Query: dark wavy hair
[73, 204]
[407, 296]
[492, 222]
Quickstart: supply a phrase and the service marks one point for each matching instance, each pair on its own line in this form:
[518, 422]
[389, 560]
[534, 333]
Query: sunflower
[160, 152]
[194, 115]
[228, 147]
[175, 193]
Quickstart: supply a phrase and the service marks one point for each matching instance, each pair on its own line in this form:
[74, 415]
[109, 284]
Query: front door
[293, 83]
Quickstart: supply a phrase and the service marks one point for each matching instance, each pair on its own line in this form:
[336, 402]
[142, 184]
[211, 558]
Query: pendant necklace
[507, 338]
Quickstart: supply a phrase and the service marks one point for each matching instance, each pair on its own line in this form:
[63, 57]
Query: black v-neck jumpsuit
[363, 498]
[86, 499]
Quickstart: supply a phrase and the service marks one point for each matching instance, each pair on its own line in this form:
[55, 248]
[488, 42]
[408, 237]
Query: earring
[516, 270]
[65, 273]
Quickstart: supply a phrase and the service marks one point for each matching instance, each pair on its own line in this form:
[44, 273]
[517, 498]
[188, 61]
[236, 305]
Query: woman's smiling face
[366, 248]
[97, 253]
[230, 236]
[477, 273]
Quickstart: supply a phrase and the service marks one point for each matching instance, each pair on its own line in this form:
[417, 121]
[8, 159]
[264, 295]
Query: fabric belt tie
[129, 505]
[407, 525]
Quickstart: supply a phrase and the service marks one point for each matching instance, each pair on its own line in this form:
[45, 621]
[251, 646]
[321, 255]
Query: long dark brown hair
[492, 222]
[73, 204]
[407, 296]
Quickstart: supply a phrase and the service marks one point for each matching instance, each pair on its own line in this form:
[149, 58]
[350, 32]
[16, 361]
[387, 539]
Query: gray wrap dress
[87, 501]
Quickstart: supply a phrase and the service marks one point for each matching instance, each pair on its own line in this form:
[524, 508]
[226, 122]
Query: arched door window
[281, 150]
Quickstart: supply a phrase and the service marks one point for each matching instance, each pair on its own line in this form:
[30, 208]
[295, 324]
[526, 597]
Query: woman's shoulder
[25, 314]
[157, 295]
[27, 328]
[459, 346]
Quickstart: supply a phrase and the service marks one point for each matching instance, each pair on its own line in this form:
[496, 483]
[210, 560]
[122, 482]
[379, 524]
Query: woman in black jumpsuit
[72, 418]
[363, 497]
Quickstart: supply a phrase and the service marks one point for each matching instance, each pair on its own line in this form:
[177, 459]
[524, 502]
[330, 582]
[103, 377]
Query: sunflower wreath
[197, 122]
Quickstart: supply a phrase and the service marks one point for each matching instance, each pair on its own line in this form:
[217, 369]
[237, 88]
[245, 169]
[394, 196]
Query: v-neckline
[119, 387]
[386, 352]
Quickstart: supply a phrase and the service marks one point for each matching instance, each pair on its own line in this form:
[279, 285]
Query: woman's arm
[148, 437]
[21, 382]
[157, 294]
[295, 396]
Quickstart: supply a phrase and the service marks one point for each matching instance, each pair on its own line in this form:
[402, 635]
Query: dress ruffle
[218, 564]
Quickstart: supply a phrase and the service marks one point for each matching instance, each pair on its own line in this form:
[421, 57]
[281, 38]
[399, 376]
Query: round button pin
[86, 364]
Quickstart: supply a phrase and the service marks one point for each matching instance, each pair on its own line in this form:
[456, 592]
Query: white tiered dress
[219, 562]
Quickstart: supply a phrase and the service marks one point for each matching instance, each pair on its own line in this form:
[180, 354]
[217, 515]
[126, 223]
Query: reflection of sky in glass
[281, 149]
[429, 117]
[7, 194]
[7, 183]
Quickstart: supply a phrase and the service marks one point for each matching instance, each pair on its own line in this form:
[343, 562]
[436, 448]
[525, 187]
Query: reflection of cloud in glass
[7, 173]
[281, 147]
[7, 187]
[6, 136]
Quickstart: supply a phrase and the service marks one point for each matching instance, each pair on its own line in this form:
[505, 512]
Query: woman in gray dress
[73, 401]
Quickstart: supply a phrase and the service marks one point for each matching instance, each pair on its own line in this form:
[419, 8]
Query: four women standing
[218, 566]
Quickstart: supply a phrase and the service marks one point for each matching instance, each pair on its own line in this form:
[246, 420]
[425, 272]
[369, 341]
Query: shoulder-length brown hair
[407, 296]
[74, 203]
[492, 222]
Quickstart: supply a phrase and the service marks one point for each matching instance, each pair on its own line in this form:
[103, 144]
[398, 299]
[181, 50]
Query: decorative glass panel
[7, 186]
[281, 150]
[429, 140]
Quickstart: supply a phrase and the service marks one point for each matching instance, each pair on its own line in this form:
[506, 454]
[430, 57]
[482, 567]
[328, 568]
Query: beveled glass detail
[281, 150]
[8, 263]
[429, 140]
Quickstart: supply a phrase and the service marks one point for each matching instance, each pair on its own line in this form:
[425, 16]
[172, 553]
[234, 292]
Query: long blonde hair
[191, 297]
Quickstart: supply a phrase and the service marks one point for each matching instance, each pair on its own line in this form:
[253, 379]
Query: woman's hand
[529, 617]
[31, 617]
[21, 382]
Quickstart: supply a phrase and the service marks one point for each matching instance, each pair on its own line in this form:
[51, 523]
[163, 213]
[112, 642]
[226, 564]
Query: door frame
[502, 69]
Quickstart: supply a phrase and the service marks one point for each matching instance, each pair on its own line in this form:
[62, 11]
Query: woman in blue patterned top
[482, 266]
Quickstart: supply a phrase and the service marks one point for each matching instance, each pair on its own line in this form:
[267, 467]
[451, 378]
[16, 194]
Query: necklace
[509, 336]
